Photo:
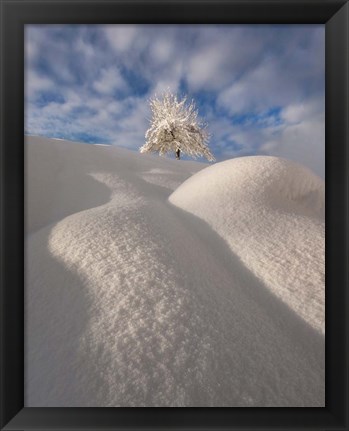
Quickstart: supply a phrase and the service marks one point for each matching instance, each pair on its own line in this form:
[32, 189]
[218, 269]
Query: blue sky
[260, 88]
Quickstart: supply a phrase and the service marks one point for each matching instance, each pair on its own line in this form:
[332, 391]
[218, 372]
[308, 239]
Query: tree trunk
[178, 154]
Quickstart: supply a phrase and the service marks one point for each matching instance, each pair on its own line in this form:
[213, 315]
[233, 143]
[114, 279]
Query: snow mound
[130, 301]
[270, 211]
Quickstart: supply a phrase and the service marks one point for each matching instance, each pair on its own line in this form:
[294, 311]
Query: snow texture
[271, 213]
[132, 300]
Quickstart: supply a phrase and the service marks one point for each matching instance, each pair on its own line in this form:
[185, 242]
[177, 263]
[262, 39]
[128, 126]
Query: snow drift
[132, 301]
[271, 213]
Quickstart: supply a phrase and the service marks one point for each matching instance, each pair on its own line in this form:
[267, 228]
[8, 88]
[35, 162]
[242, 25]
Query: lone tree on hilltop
[175, 127]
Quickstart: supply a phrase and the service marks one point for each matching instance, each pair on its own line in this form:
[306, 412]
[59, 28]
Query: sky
[259, 88]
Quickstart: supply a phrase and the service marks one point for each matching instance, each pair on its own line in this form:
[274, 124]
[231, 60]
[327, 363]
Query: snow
[271, 213]
[157, 282]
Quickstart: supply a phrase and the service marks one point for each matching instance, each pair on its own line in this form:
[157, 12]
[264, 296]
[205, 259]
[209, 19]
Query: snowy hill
[136, 300]
[271, 212]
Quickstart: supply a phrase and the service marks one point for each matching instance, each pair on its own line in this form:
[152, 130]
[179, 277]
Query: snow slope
[271, 212]
[135, 301]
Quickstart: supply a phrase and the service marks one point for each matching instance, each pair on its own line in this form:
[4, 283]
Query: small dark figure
[178, 154]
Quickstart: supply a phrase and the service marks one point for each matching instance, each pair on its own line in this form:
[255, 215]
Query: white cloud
[109, 80]
[36, 83]
[162, 51]
[121, 36]
[267, 85]
[85, 48]
[294, 113]
[222, 55]
[168, 83]
[299, 112]
[30, 51]
[302, 140]
[281, 76]
[114, 107]
[205, 68]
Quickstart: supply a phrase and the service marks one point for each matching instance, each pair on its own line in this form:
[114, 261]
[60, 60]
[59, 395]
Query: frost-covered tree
[175, 127]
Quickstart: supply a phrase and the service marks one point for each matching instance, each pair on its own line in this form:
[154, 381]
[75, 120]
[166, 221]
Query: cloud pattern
[260, 88]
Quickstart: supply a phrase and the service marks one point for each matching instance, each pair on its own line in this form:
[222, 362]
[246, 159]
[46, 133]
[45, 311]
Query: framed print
[214, 289]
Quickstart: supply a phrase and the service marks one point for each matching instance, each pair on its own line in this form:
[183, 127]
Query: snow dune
[156, 282]
[271, 213]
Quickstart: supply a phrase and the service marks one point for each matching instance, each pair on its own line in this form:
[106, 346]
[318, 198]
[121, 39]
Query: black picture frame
[14, 15]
